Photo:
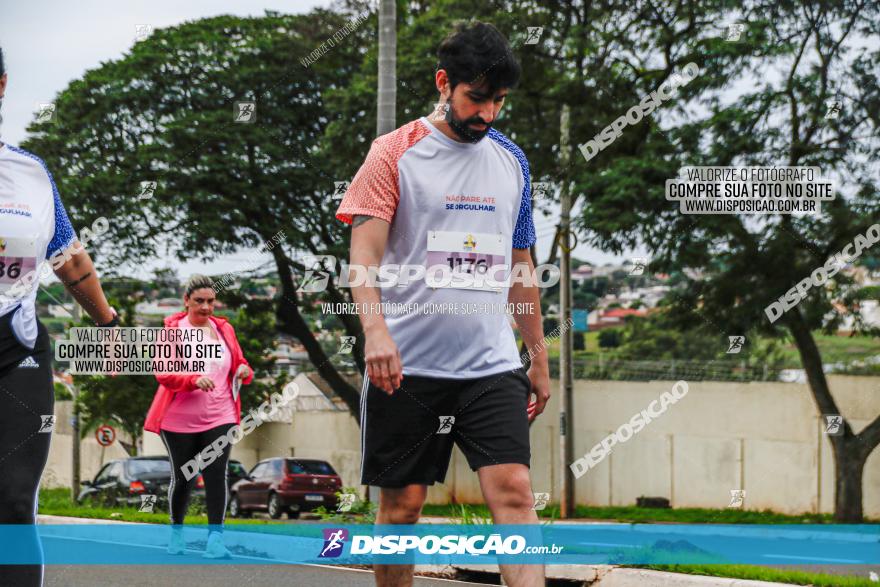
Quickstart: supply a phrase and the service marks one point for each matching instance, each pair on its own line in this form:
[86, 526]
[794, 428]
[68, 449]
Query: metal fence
[604, 368]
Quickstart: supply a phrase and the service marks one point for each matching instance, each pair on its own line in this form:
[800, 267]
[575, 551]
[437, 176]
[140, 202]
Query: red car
[285, 485]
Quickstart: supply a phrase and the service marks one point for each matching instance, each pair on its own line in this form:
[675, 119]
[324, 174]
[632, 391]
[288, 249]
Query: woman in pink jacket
[191, 411]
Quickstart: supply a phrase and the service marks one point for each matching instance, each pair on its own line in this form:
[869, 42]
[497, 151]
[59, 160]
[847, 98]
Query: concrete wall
[59, 469]
[763, 437]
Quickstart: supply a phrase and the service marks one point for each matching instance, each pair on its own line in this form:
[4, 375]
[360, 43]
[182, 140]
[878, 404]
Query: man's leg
[507, 490]
[399, 506]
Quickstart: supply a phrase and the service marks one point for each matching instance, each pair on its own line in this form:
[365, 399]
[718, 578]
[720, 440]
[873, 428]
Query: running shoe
[176, 545]
[215, 548]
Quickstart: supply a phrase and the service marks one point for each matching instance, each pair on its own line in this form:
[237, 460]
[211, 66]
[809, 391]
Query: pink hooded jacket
[169, 384]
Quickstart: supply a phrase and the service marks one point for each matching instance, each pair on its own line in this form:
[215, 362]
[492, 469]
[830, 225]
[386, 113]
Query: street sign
[105, 435]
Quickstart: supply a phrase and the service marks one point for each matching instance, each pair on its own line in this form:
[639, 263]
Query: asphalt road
[164, 569]
[217, 576]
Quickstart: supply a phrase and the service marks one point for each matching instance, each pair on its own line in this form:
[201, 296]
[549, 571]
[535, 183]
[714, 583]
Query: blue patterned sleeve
[524, 232]
[64, 233]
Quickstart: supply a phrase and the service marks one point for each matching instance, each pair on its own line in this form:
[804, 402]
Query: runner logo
[735, 31]
[317, 278]
[737, 498]
[833, 109]
[334, 542]
[45, 112]
[638, 266]
[540, 189]
[735, 344]
[245, 112]
[541, 500]
[147, 503]
[142, 31]
[833, 425]
[439, 111]
[29, 363]
[446, 423]
[339, 189]
[148, 188]
[534, 35]
[346, 500]
[346, 343]
[47, 424]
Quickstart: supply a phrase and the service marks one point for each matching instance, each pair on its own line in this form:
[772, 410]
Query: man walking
[450, 192]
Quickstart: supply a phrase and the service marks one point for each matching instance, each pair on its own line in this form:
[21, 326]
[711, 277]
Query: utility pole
[386, 111]
[566, 420]
[74, 440]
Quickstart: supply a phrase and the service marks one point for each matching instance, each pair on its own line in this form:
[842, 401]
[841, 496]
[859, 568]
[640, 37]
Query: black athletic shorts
[406, 438]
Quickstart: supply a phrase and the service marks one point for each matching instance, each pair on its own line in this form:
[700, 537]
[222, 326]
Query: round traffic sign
[105, 435]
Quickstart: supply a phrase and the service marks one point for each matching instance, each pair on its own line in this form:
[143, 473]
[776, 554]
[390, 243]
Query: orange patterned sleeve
[375, 189]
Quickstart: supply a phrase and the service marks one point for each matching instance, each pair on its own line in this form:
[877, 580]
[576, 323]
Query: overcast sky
[48, 44]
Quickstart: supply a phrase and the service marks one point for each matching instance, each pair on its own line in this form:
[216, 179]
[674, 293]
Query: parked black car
[123, 481]
[285, 485]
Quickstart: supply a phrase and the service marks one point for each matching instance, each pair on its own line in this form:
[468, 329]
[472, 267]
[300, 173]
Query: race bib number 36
[17, 258]
[466, 260]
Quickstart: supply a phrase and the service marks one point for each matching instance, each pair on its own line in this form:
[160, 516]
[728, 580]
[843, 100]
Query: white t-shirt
[33, 226]
[465, 204]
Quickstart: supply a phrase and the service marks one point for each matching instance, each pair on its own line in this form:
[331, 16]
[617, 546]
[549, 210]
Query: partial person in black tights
[36, 239]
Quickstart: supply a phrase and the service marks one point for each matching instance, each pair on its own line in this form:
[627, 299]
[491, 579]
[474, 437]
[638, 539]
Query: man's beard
[461, 128]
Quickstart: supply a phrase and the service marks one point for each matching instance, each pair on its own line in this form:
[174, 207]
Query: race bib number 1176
[466, 260]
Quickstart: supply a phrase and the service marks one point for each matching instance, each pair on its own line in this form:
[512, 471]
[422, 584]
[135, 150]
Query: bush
[361, 512]
[579, 343]
[609, 338]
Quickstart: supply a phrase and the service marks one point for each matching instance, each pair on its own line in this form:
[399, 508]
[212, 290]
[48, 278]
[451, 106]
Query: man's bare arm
[358, 220]
[526, 302]
[369, 237]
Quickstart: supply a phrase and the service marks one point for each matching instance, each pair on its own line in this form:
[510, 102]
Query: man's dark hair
[477, 50]
[2, 66]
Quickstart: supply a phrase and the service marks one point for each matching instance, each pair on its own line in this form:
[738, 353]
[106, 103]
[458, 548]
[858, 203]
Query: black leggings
[26, 399]
[183, 446]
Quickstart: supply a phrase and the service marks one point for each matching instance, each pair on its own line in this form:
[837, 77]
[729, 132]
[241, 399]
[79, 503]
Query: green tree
[793, 58]
[164, 113]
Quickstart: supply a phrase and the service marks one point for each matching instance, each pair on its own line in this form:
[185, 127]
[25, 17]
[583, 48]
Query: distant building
[649, 296]
[582, 273]
[869, 312]
[162, 307]
[58, 311]
[316, 395]
[290, 356]
[599, 319]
